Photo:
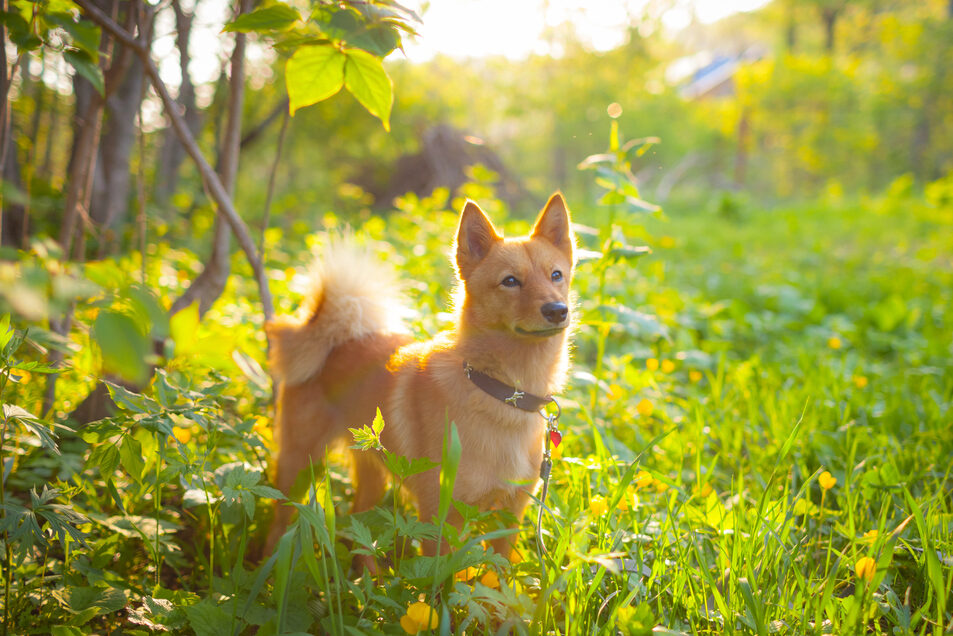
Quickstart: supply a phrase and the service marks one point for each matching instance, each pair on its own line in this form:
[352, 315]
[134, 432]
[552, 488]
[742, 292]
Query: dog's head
[519, 285]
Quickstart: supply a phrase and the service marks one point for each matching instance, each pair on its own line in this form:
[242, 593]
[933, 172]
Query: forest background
[759, 424]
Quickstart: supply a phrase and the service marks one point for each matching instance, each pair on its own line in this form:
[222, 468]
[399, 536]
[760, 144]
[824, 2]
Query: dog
[505, 355]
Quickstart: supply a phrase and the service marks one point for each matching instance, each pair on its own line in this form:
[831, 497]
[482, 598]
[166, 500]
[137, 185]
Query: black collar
[504, 392]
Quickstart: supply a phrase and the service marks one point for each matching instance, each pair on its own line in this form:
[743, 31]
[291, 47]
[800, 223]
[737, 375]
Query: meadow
[756, 440]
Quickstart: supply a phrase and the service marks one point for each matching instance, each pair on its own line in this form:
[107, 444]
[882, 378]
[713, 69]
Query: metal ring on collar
[559, 410]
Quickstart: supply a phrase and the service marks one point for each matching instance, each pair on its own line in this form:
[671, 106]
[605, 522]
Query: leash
[530, 403]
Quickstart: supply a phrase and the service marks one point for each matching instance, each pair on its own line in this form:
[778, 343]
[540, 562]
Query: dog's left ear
[553, 225]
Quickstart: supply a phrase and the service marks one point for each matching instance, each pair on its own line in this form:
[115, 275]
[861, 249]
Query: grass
[756, 440]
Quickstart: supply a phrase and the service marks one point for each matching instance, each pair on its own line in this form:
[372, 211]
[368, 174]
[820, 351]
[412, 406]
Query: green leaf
[277, 17]
[365, 78]
[123, 345]
[84, 65]
[313, 74]
[449, 463]
[130, 454]
[209, 619]
[108, 461]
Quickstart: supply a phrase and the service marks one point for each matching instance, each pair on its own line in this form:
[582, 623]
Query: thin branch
[271, 179]
[212, 182]
[252, 135]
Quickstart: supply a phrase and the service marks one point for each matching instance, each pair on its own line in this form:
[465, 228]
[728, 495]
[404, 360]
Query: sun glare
[517, 29]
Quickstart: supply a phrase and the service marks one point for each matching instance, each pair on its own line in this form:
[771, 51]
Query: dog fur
[347, 355]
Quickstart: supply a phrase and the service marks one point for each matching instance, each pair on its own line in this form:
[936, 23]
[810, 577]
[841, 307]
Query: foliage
[339, 45]
[755, 440]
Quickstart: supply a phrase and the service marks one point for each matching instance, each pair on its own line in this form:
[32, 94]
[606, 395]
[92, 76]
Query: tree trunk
[829, 17]
[210, 284]
[173, 153]
[4, 116]
[791, 30]
[109, 206]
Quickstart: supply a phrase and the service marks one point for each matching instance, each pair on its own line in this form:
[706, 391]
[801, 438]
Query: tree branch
[213, 184]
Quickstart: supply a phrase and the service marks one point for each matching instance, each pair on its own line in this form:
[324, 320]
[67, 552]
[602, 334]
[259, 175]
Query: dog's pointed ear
[553, 225]
[475, 236]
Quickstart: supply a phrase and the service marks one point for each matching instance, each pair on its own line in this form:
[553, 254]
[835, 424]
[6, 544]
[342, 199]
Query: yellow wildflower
[615, 392]
[466, 574]
[834, 342]
[860, 381]
[695, 376]
[667, 366]
[644, 407]
[826, 480]
[866, 568]
[652, 364]
[644, 479]
[490, 579]
[705, 489]
[419, 617]
[627, 501]
[598, 506]
[871, 535]
[666, 241]
[180, 434]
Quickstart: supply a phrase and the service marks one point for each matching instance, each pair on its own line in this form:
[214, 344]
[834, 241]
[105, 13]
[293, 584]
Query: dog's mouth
[540, 333]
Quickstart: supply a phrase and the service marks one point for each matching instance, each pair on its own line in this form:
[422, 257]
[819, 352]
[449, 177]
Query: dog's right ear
[475, 236]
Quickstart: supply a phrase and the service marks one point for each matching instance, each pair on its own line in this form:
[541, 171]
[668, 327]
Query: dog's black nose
[555, 312]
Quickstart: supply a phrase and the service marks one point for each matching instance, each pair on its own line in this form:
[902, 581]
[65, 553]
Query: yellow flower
[466, 574]
[871, 535]
[598, 506]
[490, 579]
[866, 568]
[860, 381]
[667, 366]
[627, 501]
[644, 479]
[615, 392]
[263, 427]
[419, 617]
[182, 435]
[666, 241]
[660, 486]
[705, 490]
[652, 364]
[20, 376]
[834, 342]
[694, 376]
[827, 481]
[644, 407]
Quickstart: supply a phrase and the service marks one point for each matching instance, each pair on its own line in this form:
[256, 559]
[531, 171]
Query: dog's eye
[510, 281]
[557, 276]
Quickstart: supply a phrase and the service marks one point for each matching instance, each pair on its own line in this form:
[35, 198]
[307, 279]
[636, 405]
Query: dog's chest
[498, 458]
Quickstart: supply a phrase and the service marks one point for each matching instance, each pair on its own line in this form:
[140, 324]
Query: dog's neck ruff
[504, 392]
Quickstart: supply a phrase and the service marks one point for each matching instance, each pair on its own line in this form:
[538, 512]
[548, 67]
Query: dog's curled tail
[353, 295]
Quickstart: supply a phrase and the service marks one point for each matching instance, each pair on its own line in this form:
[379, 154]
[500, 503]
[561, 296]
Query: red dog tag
[555, 437]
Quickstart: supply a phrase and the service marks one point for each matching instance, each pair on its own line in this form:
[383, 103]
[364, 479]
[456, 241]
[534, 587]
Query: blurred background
[751, 101]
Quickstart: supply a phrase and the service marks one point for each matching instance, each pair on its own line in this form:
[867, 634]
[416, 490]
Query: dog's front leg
[515, 504]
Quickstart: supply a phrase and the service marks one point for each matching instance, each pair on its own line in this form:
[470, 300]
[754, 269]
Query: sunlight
[482, 28]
